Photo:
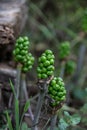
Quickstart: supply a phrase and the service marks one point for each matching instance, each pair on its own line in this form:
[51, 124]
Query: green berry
[48, 52]
[50, 68]
[46, 63]
[43, 70]
[51, 61]
[43, 59]
[38, 70]
[39, 76]
[43, 76]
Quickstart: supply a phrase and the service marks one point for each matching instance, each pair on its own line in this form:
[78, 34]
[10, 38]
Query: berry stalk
[39, 105]
[24, 93]
[17, 83]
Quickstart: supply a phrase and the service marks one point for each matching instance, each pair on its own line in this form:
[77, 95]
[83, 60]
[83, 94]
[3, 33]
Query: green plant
[57, 91]
[45, 71]
[21, 54]
[46, 65]
[68, 120]
[18, 121]
[64, 50]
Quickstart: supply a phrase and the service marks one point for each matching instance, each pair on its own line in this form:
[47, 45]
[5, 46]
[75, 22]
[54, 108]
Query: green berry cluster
[21, 54]
[56, 91]
[21, 49]
[70, 67]
[84, 21]
[46, 65]
[64, 50]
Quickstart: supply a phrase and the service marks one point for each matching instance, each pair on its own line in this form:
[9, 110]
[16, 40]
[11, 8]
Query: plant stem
[53, 121]
[23, 93]
[17, 83]
[26, 97]
[39, 105]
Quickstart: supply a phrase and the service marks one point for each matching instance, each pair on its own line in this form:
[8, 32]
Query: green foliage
[46, 65]
[21, 53]
[57, 90]
[68, 121]
[84, 20]
[70, 67]
[17, 113]
[19, 124]
[24, 126]
[9, 121]
[64, 50]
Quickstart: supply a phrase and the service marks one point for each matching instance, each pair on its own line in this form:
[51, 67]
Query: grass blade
[9, 121]
[17, 114]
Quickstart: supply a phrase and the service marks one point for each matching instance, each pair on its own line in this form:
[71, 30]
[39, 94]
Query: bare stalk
[53, 122]
[39, 105]
[17, 83]
[23, 93]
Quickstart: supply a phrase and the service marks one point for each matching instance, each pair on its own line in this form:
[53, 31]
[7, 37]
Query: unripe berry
[56, 91]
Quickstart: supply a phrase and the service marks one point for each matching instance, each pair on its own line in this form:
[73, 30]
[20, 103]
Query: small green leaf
[12, 87]
[24, 126]
[75, 119]
[17, 113]
[9, 121]
[26, 106]
[62, 124]
[66, 114]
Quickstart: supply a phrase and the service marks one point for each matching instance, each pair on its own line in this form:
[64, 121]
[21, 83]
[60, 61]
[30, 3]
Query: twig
[44, 128]
[39, 104]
